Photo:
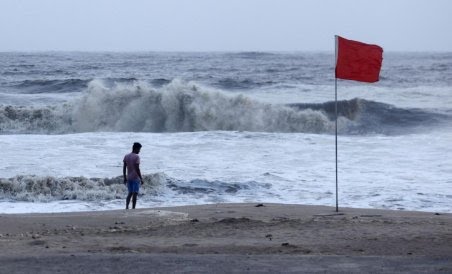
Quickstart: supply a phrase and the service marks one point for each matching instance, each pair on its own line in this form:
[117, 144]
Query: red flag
[358, 61]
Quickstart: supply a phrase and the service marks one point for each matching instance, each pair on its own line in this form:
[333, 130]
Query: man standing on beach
[133, 178]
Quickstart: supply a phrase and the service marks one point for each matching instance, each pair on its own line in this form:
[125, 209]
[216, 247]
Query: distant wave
[68, 85]
[250, 54]
[135, 106]
[181, 106]
[51, 86]
[159, 82]
[47, 188]
[230, 83]
[374, 117]
[175, 107]
[74, 85]
[47, 120]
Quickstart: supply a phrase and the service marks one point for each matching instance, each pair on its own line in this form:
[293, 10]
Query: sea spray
[186, 107]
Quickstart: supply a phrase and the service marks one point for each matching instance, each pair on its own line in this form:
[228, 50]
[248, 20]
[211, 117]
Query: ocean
[223, 127]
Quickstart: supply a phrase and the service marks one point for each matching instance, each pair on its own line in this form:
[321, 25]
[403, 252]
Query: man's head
[136, 148]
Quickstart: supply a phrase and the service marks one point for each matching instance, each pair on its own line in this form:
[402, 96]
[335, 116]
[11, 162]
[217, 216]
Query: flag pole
[368, 58]
[337, 185]
[335, 111]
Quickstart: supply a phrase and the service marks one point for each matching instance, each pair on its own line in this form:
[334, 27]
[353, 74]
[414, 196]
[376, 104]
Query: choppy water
[223, 127]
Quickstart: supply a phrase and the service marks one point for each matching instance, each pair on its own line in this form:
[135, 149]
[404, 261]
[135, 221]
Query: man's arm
[124, 166]
[137, 168]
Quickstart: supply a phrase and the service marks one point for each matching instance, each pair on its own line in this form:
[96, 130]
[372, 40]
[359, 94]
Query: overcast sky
[223, 25]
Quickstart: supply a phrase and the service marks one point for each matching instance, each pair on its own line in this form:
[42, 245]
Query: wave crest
[181, 106]
[135, 106]
[32, 188]
[43, 189]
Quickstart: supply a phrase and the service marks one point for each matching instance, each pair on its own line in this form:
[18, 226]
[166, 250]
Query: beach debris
[259, 205]
[285, 244]
[114, 228]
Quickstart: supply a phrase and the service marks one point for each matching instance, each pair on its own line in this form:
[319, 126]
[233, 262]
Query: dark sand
[227, 238]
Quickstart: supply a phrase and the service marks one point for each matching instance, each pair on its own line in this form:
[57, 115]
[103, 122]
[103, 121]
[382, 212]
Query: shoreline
[225, 231]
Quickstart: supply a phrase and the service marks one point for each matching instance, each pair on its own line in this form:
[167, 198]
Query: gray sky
[223, 25]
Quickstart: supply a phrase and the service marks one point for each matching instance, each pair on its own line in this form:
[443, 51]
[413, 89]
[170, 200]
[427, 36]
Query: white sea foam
[181, 106]
[212, 167]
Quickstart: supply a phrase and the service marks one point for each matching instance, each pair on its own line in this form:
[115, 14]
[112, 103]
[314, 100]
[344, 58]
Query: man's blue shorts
[133, 186]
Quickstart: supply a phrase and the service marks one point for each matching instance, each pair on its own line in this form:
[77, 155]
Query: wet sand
[225, 238]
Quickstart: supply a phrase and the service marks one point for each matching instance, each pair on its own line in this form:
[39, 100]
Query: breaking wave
[178, 106]
[175, 107]
[47, 188]
[232, 84]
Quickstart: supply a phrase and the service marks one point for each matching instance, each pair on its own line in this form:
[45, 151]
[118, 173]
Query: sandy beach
[227, 238]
